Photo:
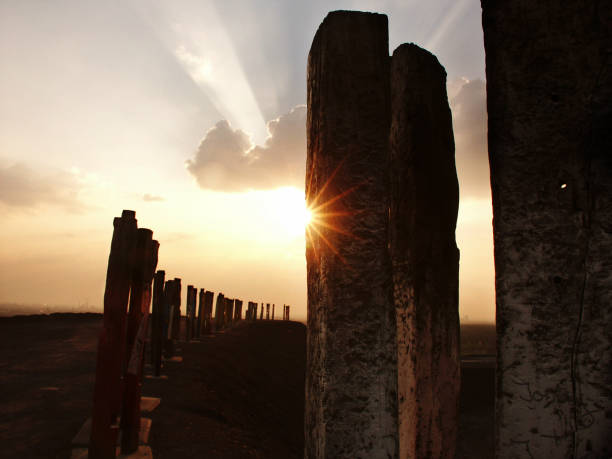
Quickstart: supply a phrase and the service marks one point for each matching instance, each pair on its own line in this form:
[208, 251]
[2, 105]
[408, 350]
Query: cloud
[468, 101]
[152, 198]
[23, 187]
[227, 160]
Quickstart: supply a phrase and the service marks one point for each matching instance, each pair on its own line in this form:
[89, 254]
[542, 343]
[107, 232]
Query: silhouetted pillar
[200, 322]
[255, 311]
[351, 376]
[229, 311]
[267, 311]
[168, 317]
[157, 322]
[111, 342]
[425, 258]
[176, 298]
[273, 306]
[208, 305]
[189, 313]
[549, 101]
[220, 312]
[238, 310]
[262, 312]
[140, 302]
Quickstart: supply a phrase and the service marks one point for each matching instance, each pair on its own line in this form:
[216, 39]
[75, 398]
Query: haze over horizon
[193, 115]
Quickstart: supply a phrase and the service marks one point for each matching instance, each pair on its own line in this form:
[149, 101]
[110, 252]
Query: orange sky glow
[193, 115]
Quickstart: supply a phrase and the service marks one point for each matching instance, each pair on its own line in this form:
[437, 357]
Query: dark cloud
[226, 160]
[152, 198]
[23, 187]
[470, 129]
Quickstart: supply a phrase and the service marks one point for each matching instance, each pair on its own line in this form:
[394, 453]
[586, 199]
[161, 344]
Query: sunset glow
[194, 116]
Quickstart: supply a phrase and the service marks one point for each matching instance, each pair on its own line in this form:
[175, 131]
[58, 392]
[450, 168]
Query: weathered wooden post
[425, 258]
[208, 306]
[255, 311]
[273, 306]
[157, 322]
[549, 102]
[288, 312]
[111, 342]
[262, 312]
[267, 311]
[351, 376]
[219, 312]
[200, 322]
[140, 301]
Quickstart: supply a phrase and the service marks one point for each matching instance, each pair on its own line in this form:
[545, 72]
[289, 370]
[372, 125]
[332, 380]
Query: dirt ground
[239, 394]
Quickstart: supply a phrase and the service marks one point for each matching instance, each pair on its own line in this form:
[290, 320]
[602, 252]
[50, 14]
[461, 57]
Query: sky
[192, 113]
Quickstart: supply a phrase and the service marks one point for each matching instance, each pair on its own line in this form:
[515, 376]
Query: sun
[289, 211]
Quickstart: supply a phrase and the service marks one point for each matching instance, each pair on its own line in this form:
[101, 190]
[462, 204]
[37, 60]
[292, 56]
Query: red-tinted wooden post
[140, 301]
[111, 342]
[157, 322]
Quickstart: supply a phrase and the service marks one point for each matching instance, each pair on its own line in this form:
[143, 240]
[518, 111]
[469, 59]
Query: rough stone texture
[425, 258]
[351, 378]
[549, 86]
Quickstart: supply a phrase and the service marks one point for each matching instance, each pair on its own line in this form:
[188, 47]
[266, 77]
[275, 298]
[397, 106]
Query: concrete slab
[143, 452]
[82, 437]
[148, 404]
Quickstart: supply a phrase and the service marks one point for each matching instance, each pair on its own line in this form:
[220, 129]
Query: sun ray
[330, 245]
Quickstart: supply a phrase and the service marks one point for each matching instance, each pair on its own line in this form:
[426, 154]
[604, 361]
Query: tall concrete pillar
[549, 101]
[351, 376]
[425, 258]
